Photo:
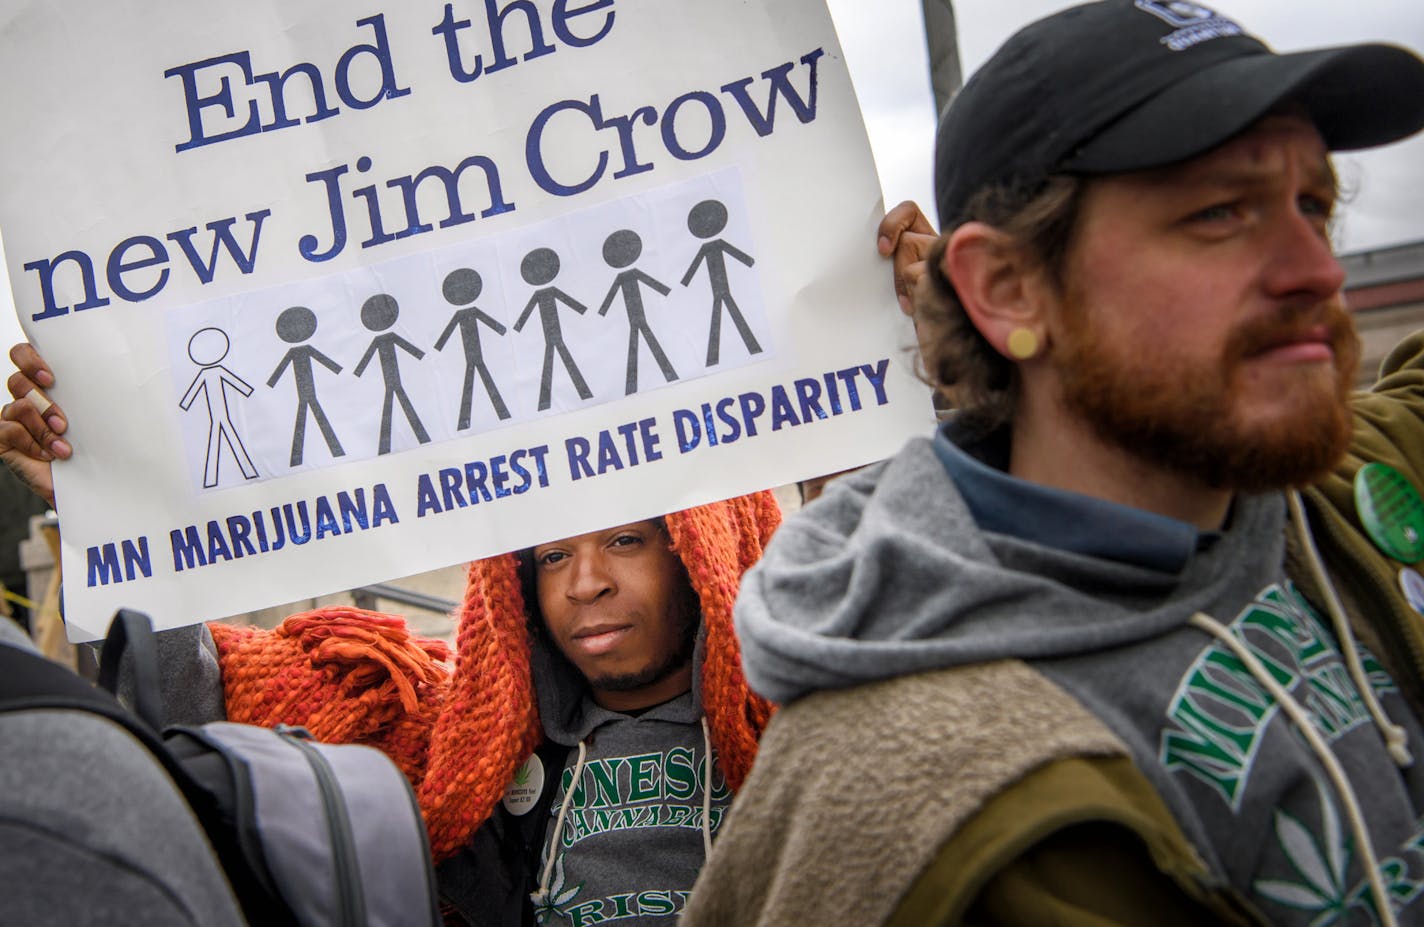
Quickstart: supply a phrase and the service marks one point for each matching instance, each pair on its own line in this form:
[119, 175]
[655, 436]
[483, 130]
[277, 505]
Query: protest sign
[338, 293]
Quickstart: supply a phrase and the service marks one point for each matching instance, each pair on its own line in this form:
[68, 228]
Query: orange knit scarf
[352, 676]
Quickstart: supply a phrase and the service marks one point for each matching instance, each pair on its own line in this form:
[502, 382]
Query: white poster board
[338, 293]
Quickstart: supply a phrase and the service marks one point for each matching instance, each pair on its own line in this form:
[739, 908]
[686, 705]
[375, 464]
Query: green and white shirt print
[1228, 737]
[631, 843]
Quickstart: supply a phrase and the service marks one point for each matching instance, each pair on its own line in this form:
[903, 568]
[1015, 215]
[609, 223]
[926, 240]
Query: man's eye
[1218, 212]
[626, 540]
[550, 558]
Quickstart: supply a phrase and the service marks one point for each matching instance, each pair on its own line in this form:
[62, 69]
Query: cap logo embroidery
[1193, 22]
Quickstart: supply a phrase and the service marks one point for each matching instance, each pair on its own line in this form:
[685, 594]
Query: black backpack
[307, 833]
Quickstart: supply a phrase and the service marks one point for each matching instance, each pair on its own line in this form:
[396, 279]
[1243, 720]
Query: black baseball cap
[1124, 85]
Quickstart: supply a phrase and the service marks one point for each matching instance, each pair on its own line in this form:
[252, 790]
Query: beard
[1186, 416]
[686, 615]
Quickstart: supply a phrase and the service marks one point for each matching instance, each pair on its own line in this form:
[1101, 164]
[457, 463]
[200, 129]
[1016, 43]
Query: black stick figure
[540, 267]
[207, 348]
[620, 250]
[461, 288]
[378, 314]
[709, 218]
[294, 326]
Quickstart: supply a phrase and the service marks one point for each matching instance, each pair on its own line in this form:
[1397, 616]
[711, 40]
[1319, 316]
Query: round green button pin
[1391, 511]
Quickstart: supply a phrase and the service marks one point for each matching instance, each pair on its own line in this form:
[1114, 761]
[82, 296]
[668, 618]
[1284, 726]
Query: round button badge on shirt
[523, 791]
[1412, 585]
[1391, 511]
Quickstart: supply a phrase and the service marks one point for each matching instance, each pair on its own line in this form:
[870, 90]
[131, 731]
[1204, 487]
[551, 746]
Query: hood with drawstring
[1257, 720]
[460, 735]
[638, 796]
[888, 574]
[491, 717]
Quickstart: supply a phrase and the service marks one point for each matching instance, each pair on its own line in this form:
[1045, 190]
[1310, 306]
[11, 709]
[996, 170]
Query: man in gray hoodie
[642, 734]
[1134, 638]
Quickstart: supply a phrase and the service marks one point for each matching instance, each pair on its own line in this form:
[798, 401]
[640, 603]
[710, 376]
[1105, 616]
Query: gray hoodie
[630, 837]
[893, 573]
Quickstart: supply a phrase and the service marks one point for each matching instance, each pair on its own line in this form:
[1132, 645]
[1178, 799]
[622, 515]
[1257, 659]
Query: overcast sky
[884, 45]
[883, 42]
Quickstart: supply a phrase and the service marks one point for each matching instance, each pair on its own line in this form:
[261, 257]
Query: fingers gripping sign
[31, 426]
[905, 236]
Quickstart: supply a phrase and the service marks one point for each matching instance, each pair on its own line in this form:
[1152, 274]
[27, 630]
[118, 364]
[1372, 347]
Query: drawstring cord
[543, 892]
[1395, 737]
[706, 789]
[1327, 759]
[559, 824]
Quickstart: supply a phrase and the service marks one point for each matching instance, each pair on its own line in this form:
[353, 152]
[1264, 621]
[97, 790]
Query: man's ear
[999, 288]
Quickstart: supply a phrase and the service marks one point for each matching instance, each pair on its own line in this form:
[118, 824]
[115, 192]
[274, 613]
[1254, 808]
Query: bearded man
[1135, 638]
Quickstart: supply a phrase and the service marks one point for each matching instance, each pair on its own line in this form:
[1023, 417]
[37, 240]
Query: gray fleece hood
[889, 574]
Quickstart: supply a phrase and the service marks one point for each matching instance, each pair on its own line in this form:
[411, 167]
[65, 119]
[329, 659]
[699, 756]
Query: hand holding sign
[906, 235]
[30, 430]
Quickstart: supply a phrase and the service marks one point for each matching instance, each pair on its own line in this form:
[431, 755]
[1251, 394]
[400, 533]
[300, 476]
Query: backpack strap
[131, 632]
[29, 682]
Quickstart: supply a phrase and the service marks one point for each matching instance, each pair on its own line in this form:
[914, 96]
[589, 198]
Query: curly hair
[978, 381]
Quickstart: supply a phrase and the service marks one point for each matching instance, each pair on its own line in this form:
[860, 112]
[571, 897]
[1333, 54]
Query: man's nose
[1302, 261]
[591, 578]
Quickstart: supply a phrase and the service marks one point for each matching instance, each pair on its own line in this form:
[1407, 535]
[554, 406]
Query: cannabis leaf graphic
[1321, 865]
[552, 903]
[1417, 844]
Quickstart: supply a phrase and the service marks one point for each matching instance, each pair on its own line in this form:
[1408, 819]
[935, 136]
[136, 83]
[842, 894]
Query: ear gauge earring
[1022, 344]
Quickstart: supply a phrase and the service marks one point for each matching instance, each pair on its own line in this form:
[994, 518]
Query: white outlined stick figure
[706, 219]
[620, 250]
[294, 326]
[541, 266]
[378, 314]
[462, 287]
[207, 348]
